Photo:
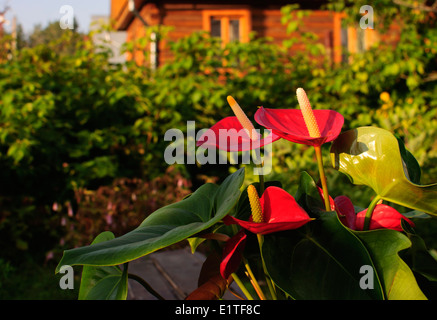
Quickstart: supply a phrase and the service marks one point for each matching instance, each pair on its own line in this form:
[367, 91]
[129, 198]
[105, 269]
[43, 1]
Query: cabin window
[229, 25]
[234, 30]
[216, 27]
[356, 40]
[351, 39]
[344, 44]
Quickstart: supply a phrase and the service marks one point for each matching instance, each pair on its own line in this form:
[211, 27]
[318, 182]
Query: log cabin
[234, 20]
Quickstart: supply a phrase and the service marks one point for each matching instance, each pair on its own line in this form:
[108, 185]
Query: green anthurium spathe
[164, 227]
[372, 156]
[103, 283]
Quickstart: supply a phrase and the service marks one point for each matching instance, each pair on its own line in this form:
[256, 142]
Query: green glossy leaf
[413, 168]
[166, 226]
[371, 156]
[397, 278]
[194, 243]
[423, 264]
[416, 215]
[307, 195]
[198, 239]
[420, 259]
[103, 283]
[111, 287]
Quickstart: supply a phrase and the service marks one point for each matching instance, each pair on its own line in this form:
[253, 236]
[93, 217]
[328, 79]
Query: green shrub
[74, 122]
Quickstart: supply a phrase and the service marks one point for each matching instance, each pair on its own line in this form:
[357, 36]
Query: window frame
[243, 15]
[357, 40]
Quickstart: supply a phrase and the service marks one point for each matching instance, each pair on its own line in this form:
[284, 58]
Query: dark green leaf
[164, 227]
[412, 166]
[103, 283]
[310, 263]
[421, 260]
[307, 195]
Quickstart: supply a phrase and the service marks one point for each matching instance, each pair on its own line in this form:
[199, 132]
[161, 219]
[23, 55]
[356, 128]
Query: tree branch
[421, 7]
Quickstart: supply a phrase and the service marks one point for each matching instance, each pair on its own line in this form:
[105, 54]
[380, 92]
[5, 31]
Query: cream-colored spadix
[308, 114]
[242, 118]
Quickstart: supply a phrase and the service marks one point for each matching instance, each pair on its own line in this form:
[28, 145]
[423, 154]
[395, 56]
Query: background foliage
[80, 136]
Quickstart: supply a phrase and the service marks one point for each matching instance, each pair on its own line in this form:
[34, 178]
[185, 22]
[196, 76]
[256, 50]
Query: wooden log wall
[264, 20]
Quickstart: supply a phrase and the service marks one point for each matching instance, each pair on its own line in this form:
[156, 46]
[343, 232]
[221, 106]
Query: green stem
[254, 281]
[260, 176]
[268, 279]
[261, 184]
[319, 157]
[369, 212]
[242, 286]
[146, 286]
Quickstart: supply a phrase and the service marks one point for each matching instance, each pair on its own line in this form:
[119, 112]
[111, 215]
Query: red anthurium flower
[232, 254]
[228, 134]
[344, 208]
[346, 211]
[331, 201]
[280, 212]
[383, 217]
[290, 124]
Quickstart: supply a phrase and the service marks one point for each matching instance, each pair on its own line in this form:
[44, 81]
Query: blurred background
[89, 88]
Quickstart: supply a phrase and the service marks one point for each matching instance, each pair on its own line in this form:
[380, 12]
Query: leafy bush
[73, 122]
[68, 121]
[119, 206]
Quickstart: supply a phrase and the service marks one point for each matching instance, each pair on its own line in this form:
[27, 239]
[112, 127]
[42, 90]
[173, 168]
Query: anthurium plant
[315, 244]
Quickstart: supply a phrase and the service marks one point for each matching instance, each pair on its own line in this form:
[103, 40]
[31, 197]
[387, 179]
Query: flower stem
[146, 285]
[259, 164]
[268, 279]
[319, 157]
[242, 286]
[254, 281]
[369, 212]
[261, 184]
[257, 288]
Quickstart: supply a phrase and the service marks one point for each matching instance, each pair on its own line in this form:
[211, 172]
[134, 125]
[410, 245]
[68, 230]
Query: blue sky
[32, 12]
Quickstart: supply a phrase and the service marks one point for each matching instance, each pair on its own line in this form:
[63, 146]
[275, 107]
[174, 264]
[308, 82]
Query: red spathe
[228, 134]
[280, 212]
[290, 125]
